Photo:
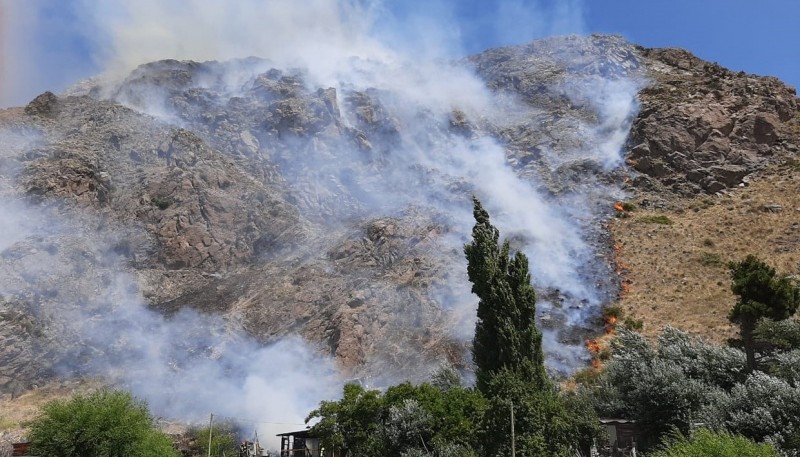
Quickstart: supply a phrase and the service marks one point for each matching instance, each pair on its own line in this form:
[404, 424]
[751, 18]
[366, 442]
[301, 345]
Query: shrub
[762, 408]
[710, 259]
[614, 311]
[161, 203]
[103, 424]
[706, 443]
[661, 219]
[633, 324]
[224, 438]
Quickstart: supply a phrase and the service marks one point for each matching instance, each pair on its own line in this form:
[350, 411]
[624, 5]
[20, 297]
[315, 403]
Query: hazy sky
[50, 44]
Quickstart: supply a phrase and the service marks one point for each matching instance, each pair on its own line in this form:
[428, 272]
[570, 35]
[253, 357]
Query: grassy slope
[678, 272]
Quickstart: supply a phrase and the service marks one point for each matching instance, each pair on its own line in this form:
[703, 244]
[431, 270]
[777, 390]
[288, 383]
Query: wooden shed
[21, 450]
[303, 443]
[623, 434]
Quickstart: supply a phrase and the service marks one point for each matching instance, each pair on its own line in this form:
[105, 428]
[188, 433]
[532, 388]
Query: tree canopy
[506, 336]
[705, 443]
[762, 293]
[102, 424]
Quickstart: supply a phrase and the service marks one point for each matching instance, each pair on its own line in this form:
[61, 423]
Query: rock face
[265, 200]
[703, 128]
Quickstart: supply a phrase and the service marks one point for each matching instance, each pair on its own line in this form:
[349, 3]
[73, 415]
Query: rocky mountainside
[337, 211]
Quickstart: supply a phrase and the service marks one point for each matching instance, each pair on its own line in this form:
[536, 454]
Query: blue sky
[47, 44]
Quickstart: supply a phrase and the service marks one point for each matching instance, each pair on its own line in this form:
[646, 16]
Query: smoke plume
[190, 364]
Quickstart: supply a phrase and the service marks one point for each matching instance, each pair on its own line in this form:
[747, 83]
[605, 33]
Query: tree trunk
[749, 344]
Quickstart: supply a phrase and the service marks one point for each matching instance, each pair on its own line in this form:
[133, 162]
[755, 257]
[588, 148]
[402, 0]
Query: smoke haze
[190, 364]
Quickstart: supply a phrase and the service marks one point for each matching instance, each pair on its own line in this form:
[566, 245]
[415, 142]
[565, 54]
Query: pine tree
[762, 294]
[506, 337]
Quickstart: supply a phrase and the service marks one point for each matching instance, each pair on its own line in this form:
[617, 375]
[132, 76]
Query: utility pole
[210, 428]
[513, 441]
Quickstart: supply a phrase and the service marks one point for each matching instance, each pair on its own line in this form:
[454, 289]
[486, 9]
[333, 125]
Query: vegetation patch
[711, 259]
[633, 324]
[161, 203]
[660, 219]
[6, 424]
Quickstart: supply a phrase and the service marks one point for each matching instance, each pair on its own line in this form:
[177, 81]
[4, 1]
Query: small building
[623, 434]
[21, 450]
[303, 443]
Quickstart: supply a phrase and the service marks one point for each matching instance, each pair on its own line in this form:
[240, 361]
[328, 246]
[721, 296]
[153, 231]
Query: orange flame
[593, 346]
[622, 270]
[619, 207]
[611, 323]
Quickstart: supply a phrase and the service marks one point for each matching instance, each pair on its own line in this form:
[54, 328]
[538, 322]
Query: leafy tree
[777, 335]
[666, 387]
[705, 443]
[224, 439]
[353, 424]
[763, 408]
[762, 294]
[506, 337]
[455, 415]
[102, 424]
[545, 421]
[406, 420]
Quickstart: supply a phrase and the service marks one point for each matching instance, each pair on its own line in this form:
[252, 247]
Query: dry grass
[16, 412]
[678, 271]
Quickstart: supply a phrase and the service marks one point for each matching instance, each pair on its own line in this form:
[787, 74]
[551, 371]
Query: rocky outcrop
[703, 128]
[258, 197]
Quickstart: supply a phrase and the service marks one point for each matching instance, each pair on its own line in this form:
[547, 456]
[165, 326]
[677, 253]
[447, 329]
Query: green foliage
[628, 206]
[665, 387]
[710, 259]
[161, 203]
[705, 443]
[506, 337]
[762, 408]
[614, 311]
[406, 420]
[545, 422]
[762, 294]
[224, 439]
[660, 219]
[778, 335]
[683, 381]
[446, 378]
[353, 424]
[633, 324]
[103, 424]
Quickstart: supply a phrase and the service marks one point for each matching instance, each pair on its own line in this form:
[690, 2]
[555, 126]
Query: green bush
[614, 311]
[161, 203]
[103, 424]
[706, 443]
[224, 438]
[633, 324]
[661, 219]
[711, 259]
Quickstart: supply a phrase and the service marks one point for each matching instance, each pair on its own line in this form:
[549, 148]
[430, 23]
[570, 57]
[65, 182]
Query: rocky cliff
[337, 212]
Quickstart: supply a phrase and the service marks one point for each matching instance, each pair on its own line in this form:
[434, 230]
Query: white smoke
[186, 366]
[191, 364]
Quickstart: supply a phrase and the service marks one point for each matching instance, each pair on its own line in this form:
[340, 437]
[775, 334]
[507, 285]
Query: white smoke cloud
[186, 366]
[191, 364]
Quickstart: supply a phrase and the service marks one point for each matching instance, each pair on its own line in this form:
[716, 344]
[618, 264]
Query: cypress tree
[506, 337]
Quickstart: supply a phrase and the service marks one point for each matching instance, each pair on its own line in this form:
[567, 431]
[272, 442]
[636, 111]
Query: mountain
[192, 214]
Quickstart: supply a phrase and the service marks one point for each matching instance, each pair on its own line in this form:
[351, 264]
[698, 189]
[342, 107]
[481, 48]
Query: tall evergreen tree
[762, 294]
[506, 337]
